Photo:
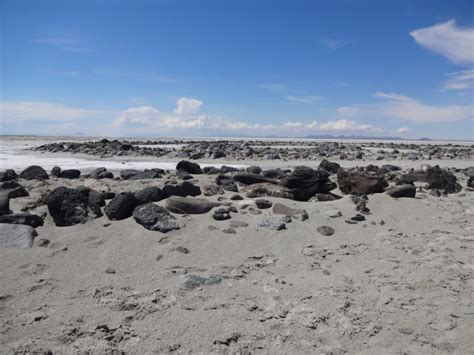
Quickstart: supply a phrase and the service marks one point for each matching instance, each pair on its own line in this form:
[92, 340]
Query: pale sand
[402, 287]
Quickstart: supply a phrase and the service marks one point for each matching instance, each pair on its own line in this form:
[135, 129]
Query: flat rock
[28, 219]
[298, 214]
[272, 223]
[267, 190]
[325, 230]
[334, 213]
[406, 190]
[183, 190]
[16, 236]
[189, 205]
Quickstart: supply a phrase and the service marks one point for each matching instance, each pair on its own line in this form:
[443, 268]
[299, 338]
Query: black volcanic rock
[357, 182]
[183, 190]
[68, 206]
[306, 182]
[8, 175]
[189, 167]
[121, 206]
[442, 179]
[154, 217]
[34, 172]
[149, 194]
[100, 173]
[330, 167]
[28, 219]
[250, 178]
[70, 174]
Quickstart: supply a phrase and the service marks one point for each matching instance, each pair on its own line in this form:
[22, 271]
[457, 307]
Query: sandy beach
[399, 281]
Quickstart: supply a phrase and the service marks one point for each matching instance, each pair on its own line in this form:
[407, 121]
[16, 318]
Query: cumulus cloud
[449, 40]
[402, 130]
[408, 109]
[462, 80]
[13, 111]
[185, 106]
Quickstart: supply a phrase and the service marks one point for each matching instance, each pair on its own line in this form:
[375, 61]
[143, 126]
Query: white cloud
[303, 99]
[273, 87]
[460, 81]
[411, 110]
[185, 106]
[449, 40]
[11, 111]
[402, 130]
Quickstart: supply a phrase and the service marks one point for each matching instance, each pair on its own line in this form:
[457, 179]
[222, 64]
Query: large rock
[8, 175]
[183, 190]
[267, 190]
[358, 182]
[34, 172]
[121, 206]
[70, 174]
[28, 219]
[100, 173]
[441, 179]
[4, 203]
[189, 167]
[13, 189]
[227, 183]
[250, 178]
[330, 167]
[406, 190]
[16, 236]
[189, 205]
[306, 182]
[154, 217]
[95, 202]
[128, 173]
[149, 194]
[68, 206]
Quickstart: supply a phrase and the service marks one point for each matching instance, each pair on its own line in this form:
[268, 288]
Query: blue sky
[377, 68]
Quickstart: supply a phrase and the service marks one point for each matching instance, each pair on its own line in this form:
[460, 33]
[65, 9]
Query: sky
[237, 68]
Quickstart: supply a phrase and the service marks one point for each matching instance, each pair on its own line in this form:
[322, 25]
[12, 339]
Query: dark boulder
[95, 202]
[306, 182]
[149, 194]
[154, 217]
[13, 189]
[268, 190]
[128, 173]
[211, 170]
[70, 174]
[55, 171]
[330, 167]
[357, 182]
[121, 206]
[227, 183]
[263, 204]
[4, 204]
[402, 191]
[68, 206]
[34, 172]
[442, 179]
[100, 173]
[254, 169]
[189, 167]
[8, 175]
[28, 219]
[184, 189]
[275, 173]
